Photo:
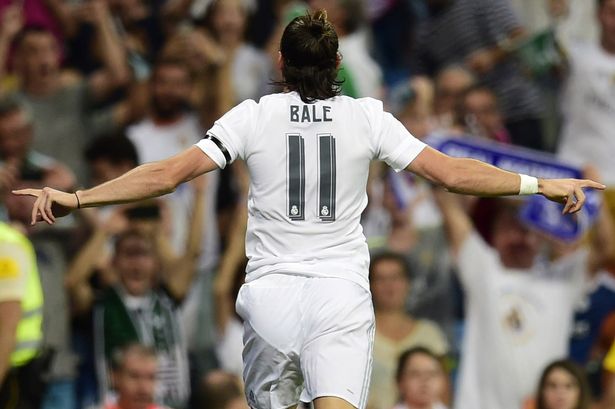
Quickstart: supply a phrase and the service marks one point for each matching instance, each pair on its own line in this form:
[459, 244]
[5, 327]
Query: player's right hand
[50, 203]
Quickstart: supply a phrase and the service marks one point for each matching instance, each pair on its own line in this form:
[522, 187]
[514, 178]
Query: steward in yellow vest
[21, 316]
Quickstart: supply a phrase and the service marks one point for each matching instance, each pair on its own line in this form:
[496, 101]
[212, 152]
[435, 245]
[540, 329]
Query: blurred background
[133, 306]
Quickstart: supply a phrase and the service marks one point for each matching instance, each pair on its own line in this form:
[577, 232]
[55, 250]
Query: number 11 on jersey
[326, 177]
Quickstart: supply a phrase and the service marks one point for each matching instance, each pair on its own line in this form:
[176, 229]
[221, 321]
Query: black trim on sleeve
[227, 156]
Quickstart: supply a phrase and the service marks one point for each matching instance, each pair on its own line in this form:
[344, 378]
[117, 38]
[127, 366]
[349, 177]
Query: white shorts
[304, 338]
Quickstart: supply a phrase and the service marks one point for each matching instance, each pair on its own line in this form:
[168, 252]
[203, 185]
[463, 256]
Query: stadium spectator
[16, 152]
[411, 224]
[27, 167]
[171, 126]
[141, 308]
[62, 113]
[450, 83]
[479, 111]
[519, 303]
[91, 272]
[396, 330]
[562, 385]
[588, 102]
[484, 33]
[21, 314]
[135, 368]
[421, 380]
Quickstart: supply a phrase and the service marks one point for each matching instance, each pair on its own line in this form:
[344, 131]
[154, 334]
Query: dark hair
[118, 355]
[116, 149]
[576, 372]
[388, 256]
[409, 353]
[309, 53]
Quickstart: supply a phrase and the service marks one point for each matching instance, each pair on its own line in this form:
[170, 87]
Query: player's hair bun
[318, 24]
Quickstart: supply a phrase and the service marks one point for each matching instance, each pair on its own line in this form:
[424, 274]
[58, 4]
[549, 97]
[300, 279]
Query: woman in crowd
[421, 380]
[396, 330]
[562, 385]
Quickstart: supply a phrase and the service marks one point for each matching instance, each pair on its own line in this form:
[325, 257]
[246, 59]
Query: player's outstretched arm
[143, 182]
[473, 177]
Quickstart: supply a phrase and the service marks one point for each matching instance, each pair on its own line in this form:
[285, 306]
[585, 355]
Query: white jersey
[308, 167]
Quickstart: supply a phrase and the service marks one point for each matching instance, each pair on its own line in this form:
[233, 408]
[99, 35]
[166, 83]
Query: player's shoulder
[244, 109]
[372, 109]
[278, 98]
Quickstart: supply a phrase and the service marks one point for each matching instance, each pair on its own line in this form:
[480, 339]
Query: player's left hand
[50, 203]
[567, 191]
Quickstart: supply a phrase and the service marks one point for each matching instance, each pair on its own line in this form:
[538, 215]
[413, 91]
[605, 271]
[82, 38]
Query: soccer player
[308, 317]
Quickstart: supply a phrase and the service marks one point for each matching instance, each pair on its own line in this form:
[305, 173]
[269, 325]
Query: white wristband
[528, 186]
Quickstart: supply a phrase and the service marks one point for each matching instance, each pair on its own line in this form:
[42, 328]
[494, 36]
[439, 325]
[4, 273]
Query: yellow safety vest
[29, 330]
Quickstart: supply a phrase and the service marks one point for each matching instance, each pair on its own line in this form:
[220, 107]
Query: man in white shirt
[308, 317]
[519, 300]
[171, 127]
[588, 103]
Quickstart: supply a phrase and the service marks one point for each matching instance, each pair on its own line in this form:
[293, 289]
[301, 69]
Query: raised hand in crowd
[11, 23]
[94, 258]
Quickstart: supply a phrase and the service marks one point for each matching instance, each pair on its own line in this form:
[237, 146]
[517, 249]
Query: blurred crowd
[132, 306]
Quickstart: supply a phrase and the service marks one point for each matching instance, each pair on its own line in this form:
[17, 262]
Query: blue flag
[538, 212]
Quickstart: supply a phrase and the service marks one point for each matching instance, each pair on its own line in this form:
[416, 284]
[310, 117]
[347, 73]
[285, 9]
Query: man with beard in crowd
[172, 126]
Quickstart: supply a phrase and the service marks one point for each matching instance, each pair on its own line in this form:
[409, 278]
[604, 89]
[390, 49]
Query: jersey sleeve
[226, 140]
[392, 143]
